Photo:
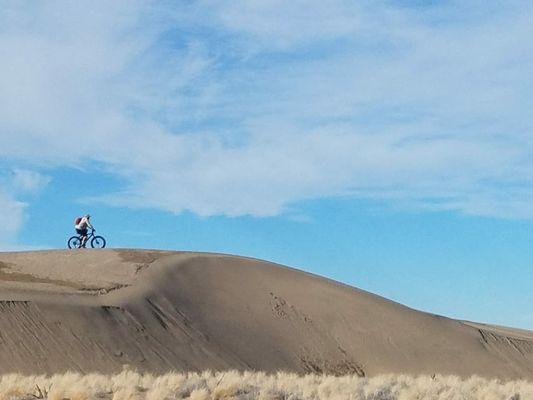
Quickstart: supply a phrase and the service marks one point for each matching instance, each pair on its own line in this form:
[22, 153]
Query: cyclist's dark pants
[81, 232]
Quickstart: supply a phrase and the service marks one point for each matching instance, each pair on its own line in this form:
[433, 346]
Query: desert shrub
[233, 385]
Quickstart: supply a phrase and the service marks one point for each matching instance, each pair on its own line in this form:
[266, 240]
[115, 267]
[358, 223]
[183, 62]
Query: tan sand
[98, 310]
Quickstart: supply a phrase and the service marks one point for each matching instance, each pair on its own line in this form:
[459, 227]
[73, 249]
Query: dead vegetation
[228, 385]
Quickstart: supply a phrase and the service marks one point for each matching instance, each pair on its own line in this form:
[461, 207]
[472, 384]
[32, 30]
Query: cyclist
[81, 228]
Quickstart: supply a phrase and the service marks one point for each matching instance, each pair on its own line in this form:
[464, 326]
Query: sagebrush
[256, 385]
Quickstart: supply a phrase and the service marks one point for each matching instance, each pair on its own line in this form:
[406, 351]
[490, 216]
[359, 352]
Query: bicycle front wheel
[74, 242]
[98, 242]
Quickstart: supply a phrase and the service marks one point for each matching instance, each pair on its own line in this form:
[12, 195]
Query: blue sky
[383, 144]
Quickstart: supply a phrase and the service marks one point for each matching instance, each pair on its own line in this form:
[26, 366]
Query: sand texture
[98, 310]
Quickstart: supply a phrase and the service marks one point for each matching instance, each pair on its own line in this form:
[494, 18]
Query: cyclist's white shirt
[84, 223]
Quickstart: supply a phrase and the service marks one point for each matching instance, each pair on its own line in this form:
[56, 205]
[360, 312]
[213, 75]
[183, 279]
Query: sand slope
[160, 311]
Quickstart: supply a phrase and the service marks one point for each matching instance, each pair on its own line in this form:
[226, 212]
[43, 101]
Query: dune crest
[96, 311]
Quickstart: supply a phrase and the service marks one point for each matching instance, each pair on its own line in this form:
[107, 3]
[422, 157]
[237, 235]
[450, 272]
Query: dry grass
[249, 385]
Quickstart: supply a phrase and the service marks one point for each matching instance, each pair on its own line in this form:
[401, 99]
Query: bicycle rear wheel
[74, 242]
[98, 242]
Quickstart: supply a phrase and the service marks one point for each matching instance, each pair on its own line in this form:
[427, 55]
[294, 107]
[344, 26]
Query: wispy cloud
[13, 184]
[26, 181]
[11, 217]
[250, 107]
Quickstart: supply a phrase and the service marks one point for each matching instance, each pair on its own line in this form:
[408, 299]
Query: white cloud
[11, 218]
[15, 183]
[249, 107]
[26, 181]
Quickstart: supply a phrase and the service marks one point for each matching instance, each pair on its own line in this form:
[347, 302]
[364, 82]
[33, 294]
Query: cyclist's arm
[89, 225]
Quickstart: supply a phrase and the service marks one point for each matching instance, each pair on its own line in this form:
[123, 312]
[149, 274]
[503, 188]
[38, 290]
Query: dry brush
[130, 385]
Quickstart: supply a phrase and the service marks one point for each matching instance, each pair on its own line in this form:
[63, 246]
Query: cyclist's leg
[84, 238]
[79, 232]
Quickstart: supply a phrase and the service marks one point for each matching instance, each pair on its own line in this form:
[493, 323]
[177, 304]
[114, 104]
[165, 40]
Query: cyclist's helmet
[87, 216]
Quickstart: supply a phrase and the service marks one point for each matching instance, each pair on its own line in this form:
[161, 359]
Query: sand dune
[96, 311]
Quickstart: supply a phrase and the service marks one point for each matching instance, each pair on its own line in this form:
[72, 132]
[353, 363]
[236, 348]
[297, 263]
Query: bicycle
[97, 242]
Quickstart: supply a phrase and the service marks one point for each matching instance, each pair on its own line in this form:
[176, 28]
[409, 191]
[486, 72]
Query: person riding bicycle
[81, 228]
